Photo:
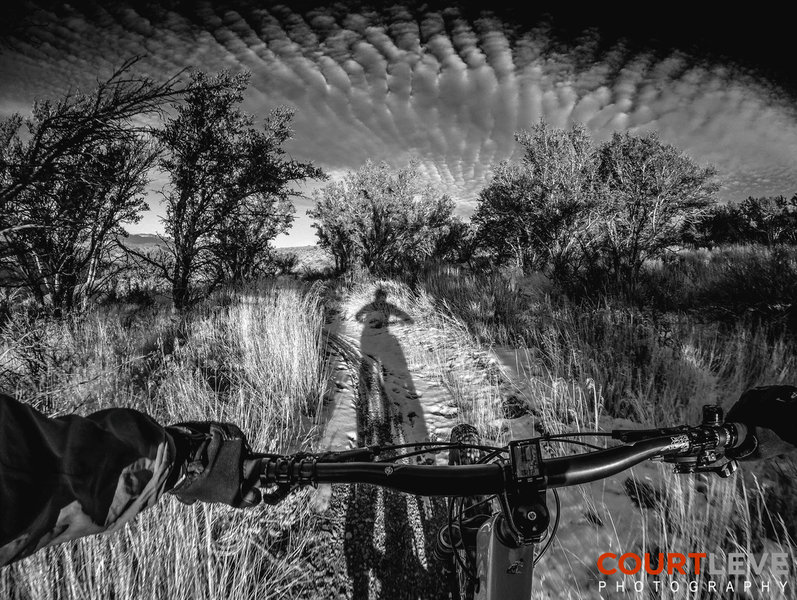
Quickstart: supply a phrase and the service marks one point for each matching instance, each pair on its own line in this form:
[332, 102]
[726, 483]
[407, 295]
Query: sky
[446, 83]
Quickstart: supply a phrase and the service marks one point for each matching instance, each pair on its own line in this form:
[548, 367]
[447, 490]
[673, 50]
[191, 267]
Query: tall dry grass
[252, 356]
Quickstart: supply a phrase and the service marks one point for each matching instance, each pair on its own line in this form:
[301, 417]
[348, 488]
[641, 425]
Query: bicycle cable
[576, 442]
[495, 453]
[553, 529]
[430, 451]
[442, 445]
[578, 434]
[471, 571]
[480, 503]
[461, 542]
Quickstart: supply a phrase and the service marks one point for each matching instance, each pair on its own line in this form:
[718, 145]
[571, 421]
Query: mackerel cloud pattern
[451, 91]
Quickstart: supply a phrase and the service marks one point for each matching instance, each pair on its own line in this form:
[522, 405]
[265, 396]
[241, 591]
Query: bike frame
[502, 571]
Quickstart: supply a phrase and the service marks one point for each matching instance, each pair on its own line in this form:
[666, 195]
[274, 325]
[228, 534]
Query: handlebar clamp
[298, 469]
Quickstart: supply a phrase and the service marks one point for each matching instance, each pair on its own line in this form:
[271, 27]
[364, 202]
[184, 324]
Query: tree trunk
[181, 289]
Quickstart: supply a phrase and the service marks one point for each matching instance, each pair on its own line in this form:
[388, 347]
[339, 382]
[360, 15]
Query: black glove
[213, 465]
[770, 413]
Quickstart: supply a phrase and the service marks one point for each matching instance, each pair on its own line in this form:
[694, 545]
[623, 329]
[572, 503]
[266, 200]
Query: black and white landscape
[364, 223]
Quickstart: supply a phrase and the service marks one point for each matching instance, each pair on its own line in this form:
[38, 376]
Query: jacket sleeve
[71, 476]
[771, 413]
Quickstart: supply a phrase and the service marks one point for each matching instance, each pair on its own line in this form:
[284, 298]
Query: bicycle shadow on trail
[389, 535]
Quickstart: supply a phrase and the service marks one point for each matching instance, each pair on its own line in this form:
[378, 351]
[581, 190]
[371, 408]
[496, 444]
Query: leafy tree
[73, 250]
[336, 230]
[242, 248]
[243, 242]
[459, 245]
[575, 210]
[381, 219]
[770, 220]
[536, 211]
[59, 132]
[229, 192]
[649, 189]
[70, 175]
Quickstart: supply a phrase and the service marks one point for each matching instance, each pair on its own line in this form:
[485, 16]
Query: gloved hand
[213, 464]
[770, 413]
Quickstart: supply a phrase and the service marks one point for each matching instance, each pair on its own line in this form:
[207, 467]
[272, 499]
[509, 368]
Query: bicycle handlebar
[423, 480]
[494, 478]
[583, 468]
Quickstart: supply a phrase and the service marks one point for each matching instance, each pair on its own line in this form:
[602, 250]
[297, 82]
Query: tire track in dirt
[384, 538]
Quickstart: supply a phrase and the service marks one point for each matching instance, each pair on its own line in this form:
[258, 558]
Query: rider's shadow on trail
[384, 378]
[389, 535]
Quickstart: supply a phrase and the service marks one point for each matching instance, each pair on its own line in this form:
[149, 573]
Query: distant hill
[310, 257]
[143, 242]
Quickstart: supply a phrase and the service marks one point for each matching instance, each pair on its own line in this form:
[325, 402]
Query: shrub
[770, 221]
[380, 219]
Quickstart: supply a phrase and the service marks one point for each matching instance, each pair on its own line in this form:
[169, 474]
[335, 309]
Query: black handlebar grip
[738, 435]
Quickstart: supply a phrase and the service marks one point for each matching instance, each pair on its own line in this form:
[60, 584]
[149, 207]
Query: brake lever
[726, 469]
[278, 495]
[705, 462]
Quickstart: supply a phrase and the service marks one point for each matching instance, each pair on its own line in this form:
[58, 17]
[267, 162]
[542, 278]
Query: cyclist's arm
[67, 477]
[397, 312]
[359, 316]
[71, 476]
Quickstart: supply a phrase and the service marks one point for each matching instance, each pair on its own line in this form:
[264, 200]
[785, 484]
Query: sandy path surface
[375, 387]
